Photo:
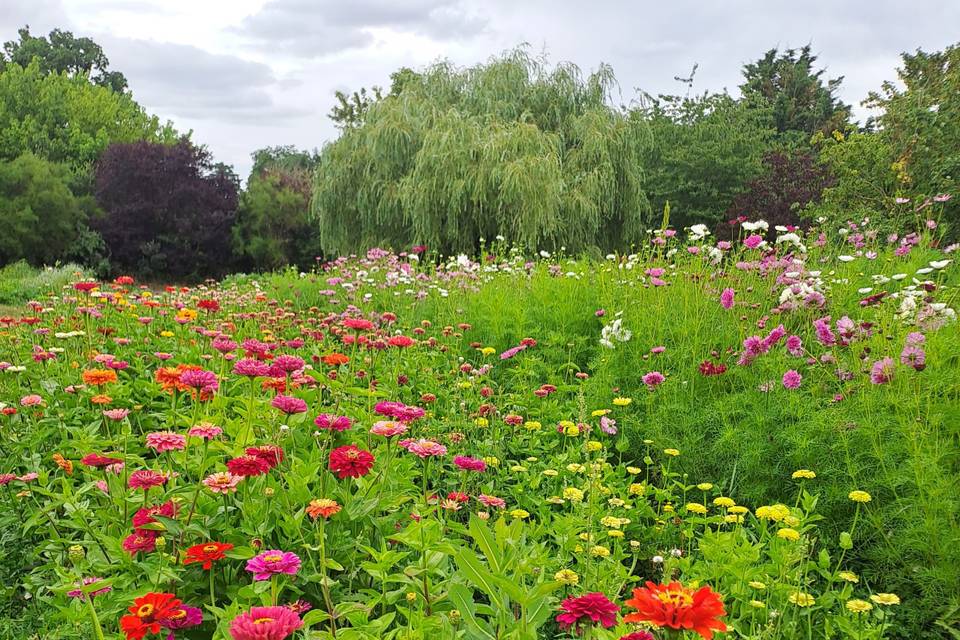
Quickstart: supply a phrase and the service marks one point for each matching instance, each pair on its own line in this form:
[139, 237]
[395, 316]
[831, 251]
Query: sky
[245, 74]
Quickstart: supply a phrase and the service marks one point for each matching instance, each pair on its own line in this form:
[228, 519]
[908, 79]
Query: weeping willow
[512, 148]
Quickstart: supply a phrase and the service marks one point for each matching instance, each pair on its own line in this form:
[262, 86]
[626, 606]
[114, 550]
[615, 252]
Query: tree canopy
[61, 52]
[512, 147]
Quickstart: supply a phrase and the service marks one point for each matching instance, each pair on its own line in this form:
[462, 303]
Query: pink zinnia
[289, 404]
[116, 414]
[205, 430]
[222, 482]
[791, 379]
[147, 478]
[251, 368]
[265, 623]
[653, 379]
[426, 448]
[135, 543]
[162, 441]
[753, 241]
[470, 464]
[288, 363]
[331, 422]
[31, 401]
[587, 609]
[270, 563]
[78, 593]
[388, 428]
[200, 379]
[492, 501]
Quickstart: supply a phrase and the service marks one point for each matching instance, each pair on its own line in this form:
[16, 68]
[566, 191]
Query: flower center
[273, 558]
[262, 620]
[145, 611]
[675, 598]
[210, 548]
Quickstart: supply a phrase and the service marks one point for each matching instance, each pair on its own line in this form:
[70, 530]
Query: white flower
[924, 271]
[846, 258]
[544, 254]
[939, 264]
[898, 276]
[759, 225]
[699, 231]
[864, 290]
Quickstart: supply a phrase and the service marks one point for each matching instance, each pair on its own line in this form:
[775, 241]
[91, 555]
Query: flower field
[754, 438]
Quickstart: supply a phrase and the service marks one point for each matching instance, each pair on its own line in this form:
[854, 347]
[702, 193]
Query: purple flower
[882, 371]
[608, 425]
[289, 404]
[470, 464]
[270, 563]
[200, 379]
[727, 298]
[791, 379]
[191, 617]
[512, 351]
[653, 379]
[331, 422]
[78, 593]
[251, 368]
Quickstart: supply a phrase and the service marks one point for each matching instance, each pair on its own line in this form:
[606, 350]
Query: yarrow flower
[273, 562]
[588, 609]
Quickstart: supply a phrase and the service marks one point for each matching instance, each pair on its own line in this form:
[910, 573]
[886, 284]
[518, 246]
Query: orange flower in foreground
[323, 507]
[148, 614]
[99, 377]
[101, 399]
[676, 607]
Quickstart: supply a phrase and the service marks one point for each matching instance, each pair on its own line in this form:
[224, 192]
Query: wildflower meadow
[745, 438]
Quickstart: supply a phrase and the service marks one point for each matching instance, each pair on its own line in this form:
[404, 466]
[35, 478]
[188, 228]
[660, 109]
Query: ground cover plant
[754, 438]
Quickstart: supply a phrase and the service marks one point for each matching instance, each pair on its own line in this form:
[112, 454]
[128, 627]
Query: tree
[802, 103]
[273, 228]
[790, 181]
[64, 53]
[511, 147]
[67, 119]
[40, 214]
[705, 149]
[167, 209]
[921, 122]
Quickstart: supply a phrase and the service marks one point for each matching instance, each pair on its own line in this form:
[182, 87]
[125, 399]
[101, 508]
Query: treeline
[543, 155]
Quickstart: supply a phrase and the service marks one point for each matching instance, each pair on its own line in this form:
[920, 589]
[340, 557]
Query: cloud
[188, 82]
[317, 28]
[41, 15]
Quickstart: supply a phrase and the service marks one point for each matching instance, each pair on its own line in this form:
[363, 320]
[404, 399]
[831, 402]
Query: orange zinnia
[101, 399]
[63, 463]
[324, 507]
[99, 377]
[676, 607]
[335, 359]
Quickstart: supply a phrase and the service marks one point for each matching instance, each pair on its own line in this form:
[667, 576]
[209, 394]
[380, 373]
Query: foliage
[20, 283]
[166, 208]
[40, 213]
[64, 53]
[272, 228]
[802, 103]
[867, 180]
[790, 182]
[67, 119]
[704, 150]
[511, 147]
[921, 122]
[839, 488]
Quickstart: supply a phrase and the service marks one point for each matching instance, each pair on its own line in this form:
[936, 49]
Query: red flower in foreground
[589, 608]
[677, 607]
[207, 553]
[350, 462]
[147, 614]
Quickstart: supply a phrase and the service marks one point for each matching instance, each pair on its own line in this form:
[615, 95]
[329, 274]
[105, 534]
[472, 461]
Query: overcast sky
[243, 74]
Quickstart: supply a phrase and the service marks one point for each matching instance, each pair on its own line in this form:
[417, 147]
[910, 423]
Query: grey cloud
[41, 15]
[189, 82]
[311, 28]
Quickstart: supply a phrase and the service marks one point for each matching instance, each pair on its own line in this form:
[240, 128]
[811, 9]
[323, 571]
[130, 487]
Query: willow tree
[513, 148]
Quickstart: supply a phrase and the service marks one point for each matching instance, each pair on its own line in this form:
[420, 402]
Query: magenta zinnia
[591, 608]
[270, 563]
[265, 623]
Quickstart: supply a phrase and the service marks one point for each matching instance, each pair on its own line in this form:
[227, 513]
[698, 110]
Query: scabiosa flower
[289, 404]
[146, 479]
[727, 298]
[350, 462]
[265, 623]
[247, 466]
[470, 464]
[791, 379]
[882, 371]
[205, 430]
[222, 482]
[270, 563]
[591, 608]
[207, 554]
[388, 428]
[161, 441]
[425, 448]
[148, 613]
[674, 606]
[330, 422]
[653, 379]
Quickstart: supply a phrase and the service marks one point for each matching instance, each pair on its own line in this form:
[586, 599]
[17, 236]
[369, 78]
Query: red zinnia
[350, 462]
[677, 607]
[248, 466]
[207, 553]
[589, 608]
[147, 614]
[269, 453]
